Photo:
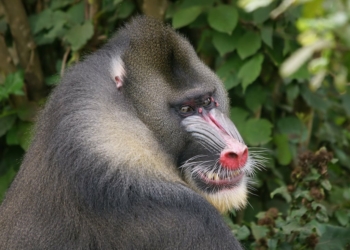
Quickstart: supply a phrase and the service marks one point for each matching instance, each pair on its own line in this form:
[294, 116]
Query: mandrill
[134, 150]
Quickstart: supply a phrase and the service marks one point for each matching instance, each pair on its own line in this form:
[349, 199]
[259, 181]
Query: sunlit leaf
[251, 5]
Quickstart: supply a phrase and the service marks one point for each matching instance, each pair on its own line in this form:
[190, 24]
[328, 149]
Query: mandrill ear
[117, 71]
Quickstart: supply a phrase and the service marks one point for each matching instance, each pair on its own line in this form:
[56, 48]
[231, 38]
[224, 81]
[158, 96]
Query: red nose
[234, 158]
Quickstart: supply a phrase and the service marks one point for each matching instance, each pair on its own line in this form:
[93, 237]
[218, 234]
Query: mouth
[216, 181]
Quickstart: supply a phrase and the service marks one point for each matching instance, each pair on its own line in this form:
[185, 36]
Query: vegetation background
[284, 63]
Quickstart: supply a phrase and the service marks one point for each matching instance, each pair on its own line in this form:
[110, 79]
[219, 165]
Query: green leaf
[259, 231]
[76, 13]
[15, 83]
[205, 42]
[55, 4]
[292, 92]
[272, 244]
[342, 216]
[302, 194]
[20, 134]
[301, 74]
[346, 103]
[266, 35]
[186, 16]
[259, 131]
[228, 72]
[250, 70]
[79, 35]
[296, 214]
[293, 128]
[334, 238]
[326, 185]
[223, 18]
[5, 181]
[262, 14]
[312, 9]
[41, 21]
[58, 31]
[321, 214]
[10, 161]
[28, 111]
[346, 193]
[125, 9]
[239, 117]
[241, 232]
[283, 191]
[224, 43]
[248, 44]
[6, 122]
[12, 85]
[191, 3]
[275, 54]
[284, 155]
[293, 226]
[314, 100]
[255, 97]
[314, 225]
[52, 80]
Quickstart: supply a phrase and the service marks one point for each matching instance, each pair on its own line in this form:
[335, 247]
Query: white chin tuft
[227, 199]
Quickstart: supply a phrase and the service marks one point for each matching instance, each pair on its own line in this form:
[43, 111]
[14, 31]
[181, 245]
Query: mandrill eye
[207, 102]
[186, 110]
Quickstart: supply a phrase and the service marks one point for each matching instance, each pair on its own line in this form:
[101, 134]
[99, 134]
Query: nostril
[231, 155]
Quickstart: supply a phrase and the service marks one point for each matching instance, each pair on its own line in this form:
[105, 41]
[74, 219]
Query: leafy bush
[285, 65]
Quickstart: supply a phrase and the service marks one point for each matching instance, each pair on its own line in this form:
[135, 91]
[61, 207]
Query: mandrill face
[216, 163]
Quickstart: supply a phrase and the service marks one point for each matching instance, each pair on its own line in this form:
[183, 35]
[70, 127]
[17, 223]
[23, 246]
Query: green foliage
[13, 84]
[287, 76]
[286, 67]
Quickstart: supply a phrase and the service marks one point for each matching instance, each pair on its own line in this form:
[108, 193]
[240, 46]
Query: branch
[25, 46]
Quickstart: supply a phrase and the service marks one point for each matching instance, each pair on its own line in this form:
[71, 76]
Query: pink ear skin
[118, 82]
[117, 71]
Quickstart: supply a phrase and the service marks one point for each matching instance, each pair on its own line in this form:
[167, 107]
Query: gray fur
[102, 171]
